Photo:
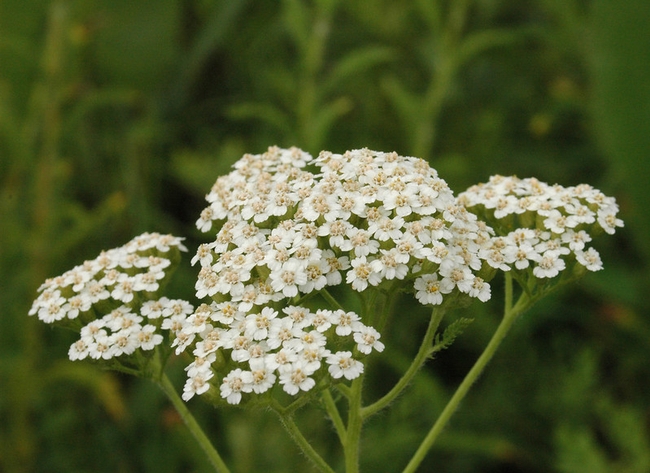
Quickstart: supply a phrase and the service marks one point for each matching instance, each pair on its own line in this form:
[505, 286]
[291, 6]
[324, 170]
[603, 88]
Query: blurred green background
[116, 116]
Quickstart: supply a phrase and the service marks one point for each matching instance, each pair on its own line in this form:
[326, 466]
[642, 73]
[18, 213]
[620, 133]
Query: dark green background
[116, 116]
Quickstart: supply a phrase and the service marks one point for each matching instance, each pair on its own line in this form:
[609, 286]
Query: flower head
[121, 284]
[364, 217]
[287, 225]
[542, 227]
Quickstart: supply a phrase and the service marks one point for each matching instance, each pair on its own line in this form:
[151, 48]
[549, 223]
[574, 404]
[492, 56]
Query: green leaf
[355, 63]
[211, 36]
[431, 12]
[103, 386]
[138, 46]
[621, 103]
[261, 111]
[409, 106]
[324, 119]
[296, 19]
[481, 41]
[578, 451]
[449, 335]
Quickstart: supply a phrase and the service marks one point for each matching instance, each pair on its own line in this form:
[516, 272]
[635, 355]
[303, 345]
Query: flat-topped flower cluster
[120, 283]
[289, 347]
[289, 228]
[289, 225]
[540, 226]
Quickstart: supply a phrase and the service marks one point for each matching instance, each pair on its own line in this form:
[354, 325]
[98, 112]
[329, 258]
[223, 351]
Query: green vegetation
[117, 116]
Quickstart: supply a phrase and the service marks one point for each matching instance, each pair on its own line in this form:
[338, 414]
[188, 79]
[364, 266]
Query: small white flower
[608, 221]
[53, 310]
[182, 341]
[124, 289]
[296, 377]
[549, 265]
[311, 356]
[203, 255]
[288, 277]
[317, 272]
[263, 376]
[154, 309]
[387, 228]
[367, 339]
[99, 346]
[322, 320]
[521, 255]
[505, 205]
[306, 339]
[344, 322]
[430, 289]
[341, 364]
[235, 383]
[213, 339]
[147, 282]
[335, 265]
[281, 359]
[177, 307]
[280, 333]
[480, 289]
[77, 277]
[92, 330]
[123, 342]
[590, 259]
[148, 338]
[258, 325]
[523, 236]
[110, 277]
[361, 242]
[300, 316]
[576, 240]
[78, 350]
[362, 274]
[97, 292]
[387, 266]
[201, 366]
[197, 385]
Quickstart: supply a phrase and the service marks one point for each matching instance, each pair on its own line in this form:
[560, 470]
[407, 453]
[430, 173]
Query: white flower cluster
[289, 225]
[119, 282]
[362, 216]
[290, 349]
[541, 226]
[121, 332]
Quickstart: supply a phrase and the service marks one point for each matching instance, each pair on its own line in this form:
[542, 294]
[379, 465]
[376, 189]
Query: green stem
[421, 357]
[294, 432]
[193, 426]
[510, 315]
[343, 389]
[334, 414]
[355, 423]
[330, 299]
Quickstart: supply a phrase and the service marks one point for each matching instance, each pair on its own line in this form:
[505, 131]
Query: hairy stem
[353, 432]
[510, 315]
[193, 426]
[296, 435]
[421, 357]
[335, 416]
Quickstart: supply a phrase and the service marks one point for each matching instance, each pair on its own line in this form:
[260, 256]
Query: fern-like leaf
[449, 335]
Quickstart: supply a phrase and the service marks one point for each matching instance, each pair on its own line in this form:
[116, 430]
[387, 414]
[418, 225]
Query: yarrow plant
[305, 260]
